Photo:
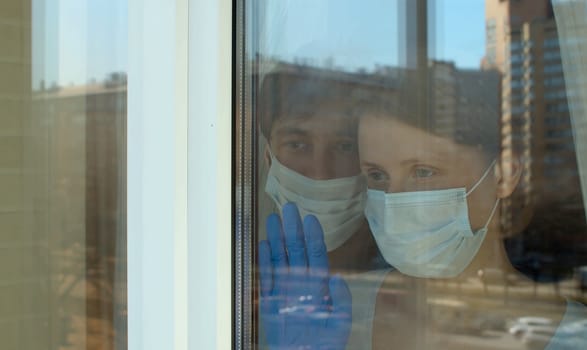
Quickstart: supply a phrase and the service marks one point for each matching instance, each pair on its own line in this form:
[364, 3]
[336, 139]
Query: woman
[432, 206]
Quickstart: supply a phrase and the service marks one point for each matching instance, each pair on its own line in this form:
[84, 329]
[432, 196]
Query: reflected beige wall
[42, 206]
[25, 298]
[55, 156]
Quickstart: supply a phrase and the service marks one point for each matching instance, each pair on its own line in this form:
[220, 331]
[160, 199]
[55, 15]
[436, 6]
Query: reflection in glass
[312, 156]
[470, 155]
[62, 175]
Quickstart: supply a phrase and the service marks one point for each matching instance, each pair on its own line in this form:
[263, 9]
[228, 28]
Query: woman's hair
[463, 106]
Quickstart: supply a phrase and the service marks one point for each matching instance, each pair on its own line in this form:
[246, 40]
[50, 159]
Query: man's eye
[424, 172]
[297, 146]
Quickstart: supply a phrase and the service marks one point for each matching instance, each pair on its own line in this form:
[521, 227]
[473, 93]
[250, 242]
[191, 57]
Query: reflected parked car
[523, 324]
[538, 332]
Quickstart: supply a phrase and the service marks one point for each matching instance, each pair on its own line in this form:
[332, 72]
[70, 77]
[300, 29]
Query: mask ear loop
[271, 155]
[275, 160]
[482, 177]
[477, 184]
[492, 213]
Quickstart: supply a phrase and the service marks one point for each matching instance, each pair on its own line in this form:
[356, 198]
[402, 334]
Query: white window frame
[179, 174]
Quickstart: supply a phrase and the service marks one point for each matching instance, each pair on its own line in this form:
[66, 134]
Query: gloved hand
[302, 306]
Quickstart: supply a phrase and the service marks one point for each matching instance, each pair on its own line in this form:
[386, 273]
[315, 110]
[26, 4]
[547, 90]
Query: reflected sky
[353, 34]
[77, 41]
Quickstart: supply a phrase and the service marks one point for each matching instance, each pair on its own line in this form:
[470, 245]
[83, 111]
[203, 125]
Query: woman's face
[396, 157]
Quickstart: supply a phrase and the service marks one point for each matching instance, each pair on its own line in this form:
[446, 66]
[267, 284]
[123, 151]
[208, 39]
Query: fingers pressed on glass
[278, 253]
[316, 250]
[265, 268]
[294, 239]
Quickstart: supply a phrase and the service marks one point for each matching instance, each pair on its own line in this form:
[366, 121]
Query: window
[63, 116]
[490, 32]
[557, 121]
[515, 46]
[395, 206]
[491, 55]
[516, 59]
[554, 81]
[559, 133]
[94, 214]
[552, 95]
[552, 55]
[554, 68]
[557, 107]
[550, 42]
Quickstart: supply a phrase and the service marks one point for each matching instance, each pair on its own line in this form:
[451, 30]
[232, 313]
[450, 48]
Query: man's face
[320, 147]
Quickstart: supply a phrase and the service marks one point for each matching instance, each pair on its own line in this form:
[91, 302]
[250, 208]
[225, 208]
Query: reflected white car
[523, 324]
[538, 332]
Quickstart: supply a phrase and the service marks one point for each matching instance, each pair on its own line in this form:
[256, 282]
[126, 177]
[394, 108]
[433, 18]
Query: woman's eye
[376, 175]
[377, 179]
[424, 172]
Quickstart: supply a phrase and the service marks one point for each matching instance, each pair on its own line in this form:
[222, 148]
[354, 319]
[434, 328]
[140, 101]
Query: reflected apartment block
[106, 211]
[84, 137]
[443, 97]
[463, 99]
[501, 16]
[522, 43]
[458, 99]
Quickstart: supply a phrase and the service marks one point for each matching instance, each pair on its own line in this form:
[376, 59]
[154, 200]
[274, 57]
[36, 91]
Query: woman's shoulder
[572, 330]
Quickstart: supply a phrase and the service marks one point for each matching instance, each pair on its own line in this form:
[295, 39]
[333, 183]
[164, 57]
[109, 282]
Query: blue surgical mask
[426, 233]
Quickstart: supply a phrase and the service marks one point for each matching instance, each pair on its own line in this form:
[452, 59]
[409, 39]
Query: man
[306, 117]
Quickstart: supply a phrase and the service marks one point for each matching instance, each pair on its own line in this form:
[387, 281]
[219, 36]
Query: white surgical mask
[337, 203]
[425, 233]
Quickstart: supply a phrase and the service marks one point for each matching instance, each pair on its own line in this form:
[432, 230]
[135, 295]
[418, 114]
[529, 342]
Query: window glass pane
[412, 185]
[62, 174]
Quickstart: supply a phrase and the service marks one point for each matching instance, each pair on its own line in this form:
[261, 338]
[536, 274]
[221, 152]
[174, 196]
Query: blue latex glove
[302, 306]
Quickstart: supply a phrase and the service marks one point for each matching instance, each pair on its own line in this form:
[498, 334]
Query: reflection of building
[458, 99]
[443, 97]
[502, 17]
[105, 211]
[463, 99]
[84, 163]
[522, 43]
[60, 180]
